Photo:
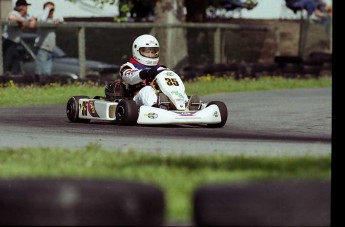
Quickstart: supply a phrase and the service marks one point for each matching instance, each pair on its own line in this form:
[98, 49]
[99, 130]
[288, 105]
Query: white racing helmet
[146, 43]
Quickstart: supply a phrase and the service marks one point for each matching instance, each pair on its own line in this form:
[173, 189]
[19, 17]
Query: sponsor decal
[129, 72]
[188, 118]
[151, 115]
[169, 73]
[177, 94]
[216, 114]
[91, 109]
[84, 108]
[186, 114]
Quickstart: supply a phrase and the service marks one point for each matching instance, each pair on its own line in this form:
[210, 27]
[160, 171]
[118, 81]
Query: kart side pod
[82, 109]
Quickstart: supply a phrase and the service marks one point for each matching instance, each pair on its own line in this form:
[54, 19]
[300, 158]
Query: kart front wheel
[127, 112]
[223, 114]
[72, 109]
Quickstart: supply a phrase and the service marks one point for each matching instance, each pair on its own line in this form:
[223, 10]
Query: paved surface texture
[283, 122]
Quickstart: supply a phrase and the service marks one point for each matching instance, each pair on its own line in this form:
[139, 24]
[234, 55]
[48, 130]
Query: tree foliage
[196, 9]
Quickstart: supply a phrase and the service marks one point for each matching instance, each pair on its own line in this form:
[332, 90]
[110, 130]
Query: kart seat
[116, 90]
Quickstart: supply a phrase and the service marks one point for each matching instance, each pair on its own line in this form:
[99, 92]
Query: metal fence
[206, 42]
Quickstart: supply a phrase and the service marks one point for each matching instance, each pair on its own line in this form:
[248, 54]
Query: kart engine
[114, 90]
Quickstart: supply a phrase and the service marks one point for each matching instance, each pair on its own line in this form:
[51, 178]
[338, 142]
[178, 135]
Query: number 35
[171, 82]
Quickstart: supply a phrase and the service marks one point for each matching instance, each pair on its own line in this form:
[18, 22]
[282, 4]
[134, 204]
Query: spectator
[12, 35]
[311, 6]
[321, 10]
[46, 42]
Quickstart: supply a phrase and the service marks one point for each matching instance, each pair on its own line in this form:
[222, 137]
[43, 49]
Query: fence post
[304, 26]
[81, 51]
[1, 58]
[168, 44]
[277, 33]
[217, 46]
[330, 33]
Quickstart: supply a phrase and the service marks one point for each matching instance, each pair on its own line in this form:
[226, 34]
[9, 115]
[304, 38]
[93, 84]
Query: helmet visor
[149, 52]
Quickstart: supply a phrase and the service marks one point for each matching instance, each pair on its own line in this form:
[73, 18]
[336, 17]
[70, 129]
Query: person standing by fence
[46, 42]
[12, 35]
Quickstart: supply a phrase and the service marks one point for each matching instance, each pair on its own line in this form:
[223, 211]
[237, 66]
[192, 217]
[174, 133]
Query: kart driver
[141, 69]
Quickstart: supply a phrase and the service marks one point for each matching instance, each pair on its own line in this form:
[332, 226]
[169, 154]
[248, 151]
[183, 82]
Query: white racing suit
[142, 94]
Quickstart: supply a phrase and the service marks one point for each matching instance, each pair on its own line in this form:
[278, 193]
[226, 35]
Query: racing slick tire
[127, 112]
[223, 114]
[267, 203]
[72, 109]
[80, 202]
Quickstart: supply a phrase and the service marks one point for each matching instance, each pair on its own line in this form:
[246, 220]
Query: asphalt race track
[283, 122]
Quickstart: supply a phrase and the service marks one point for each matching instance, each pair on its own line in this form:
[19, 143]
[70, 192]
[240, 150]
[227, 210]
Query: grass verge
[14, 95]
[177, 175]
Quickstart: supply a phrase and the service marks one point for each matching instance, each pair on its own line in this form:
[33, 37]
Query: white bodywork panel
[97, 109]
[172, 86]
[152, 115]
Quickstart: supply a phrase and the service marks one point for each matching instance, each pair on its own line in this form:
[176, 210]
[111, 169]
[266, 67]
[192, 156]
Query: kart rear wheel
[72, 109]
[223, 114]
[127, 112]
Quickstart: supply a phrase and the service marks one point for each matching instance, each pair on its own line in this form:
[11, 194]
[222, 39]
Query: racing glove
[148, 74]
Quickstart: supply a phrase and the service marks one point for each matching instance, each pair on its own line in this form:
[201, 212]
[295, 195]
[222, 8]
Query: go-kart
[173, 106]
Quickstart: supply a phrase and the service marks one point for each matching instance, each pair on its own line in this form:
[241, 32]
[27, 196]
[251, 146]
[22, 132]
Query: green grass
[208, 84]
[14, 95]
[177, 175]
